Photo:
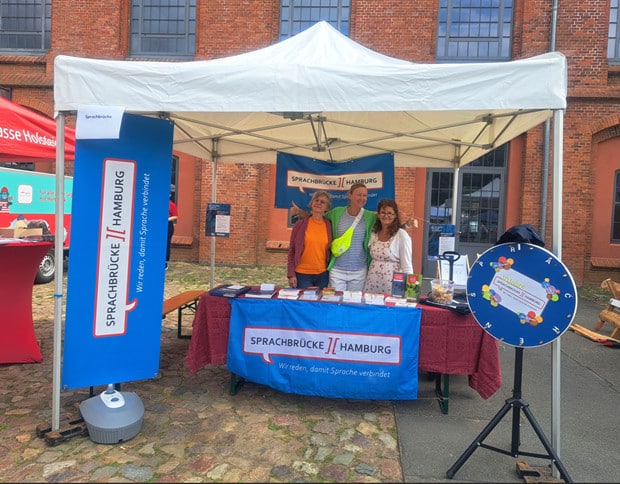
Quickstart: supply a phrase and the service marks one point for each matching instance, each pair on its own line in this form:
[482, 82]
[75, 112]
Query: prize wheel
[521, 294]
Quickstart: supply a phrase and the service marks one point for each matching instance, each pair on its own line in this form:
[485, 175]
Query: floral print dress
[382, 268]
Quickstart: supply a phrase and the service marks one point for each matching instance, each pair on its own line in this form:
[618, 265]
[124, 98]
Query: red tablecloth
[19, 262]
[449, 344]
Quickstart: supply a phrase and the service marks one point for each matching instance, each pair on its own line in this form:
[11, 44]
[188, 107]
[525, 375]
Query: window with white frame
[474, 30]
[613, 36]
[163, 28]
[25, 26]
[298, 15]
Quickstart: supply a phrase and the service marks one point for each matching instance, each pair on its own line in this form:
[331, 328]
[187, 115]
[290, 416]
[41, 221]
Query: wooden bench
[611, 314]
[180, 302]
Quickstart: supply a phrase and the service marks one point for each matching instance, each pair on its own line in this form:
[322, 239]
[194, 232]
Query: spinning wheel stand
[451, 257]
[516, 403]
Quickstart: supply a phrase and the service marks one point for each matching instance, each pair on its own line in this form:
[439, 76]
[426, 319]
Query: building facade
[509, 186]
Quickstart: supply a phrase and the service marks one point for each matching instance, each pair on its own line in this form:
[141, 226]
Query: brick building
[516, 175]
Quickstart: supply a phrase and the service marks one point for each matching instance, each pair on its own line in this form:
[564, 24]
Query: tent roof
[321, 95]
[27, 136]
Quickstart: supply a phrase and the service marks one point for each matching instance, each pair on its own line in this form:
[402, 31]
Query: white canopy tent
[321, 95]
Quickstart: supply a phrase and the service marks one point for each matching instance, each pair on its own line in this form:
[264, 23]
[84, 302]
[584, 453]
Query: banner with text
[298, 177]
[329, 350]
[115, 284]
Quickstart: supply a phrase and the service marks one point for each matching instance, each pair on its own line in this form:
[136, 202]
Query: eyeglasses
[387, 214]
[320, 200]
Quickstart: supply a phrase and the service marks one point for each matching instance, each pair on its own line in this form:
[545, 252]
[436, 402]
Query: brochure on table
[232, 290]
[265, 291]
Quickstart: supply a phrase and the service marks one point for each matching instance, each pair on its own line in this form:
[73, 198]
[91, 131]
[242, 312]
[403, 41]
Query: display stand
[517, 404]
[522, 295]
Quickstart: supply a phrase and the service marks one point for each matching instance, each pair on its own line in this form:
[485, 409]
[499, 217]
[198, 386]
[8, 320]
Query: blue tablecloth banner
[326, 349]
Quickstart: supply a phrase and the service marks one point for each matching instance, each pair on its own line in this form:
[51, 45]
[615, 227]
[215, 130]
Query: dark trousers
[312, 280]
[170, 232]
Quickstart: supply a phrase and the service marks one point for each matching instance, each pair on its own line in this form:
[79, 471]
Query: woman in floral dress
[390, 249]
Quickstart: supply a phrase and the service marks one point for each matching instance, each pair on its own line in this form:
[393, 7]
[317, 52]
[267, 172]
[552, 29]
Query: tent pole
[558, 147]
[58, 275]
[455, 194]
[558, 134]
[214, 157]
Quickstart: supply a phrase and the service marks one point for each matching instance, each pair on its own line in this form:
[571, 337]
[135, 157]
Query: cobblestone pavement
[193, 429]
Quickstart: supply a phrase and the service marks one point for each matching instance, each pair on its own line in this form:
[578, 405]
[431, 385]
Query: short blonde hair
[355, 186]
[321, 193]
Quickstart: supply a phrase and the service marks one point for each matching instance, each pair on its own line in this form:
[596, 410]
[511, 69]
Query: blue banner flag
[298, 177]
[324, 349]
[115, 284]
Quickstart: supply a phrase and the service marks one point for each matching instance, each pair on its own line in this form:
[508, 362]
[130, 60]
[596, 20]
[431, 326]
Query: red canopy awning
[27, 136]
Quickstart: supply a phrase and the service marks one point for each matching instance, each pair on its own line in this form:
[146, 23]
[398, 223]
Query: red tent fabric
[27, 136]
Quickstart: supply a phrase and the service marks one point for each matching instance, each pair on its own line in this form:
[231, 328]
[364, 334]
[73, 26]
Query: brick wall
[98, 28]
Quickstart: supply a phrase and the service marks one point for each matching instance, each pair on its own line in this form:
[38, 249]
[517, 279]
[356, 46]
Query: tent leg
[58, 276]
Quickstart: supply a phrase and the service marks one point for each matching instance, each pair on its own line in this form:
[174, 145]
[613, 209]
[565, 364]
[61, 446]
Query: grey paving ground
[195, 431]
[430, 443]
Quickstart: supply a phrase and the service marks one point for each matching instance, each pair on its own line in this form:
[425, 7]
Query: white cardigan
[400, 249]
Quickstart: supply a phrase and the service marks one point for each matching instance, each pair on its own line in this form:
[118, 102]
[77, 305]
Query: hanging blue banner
[324, 349]
[298, 177]
[115, 284]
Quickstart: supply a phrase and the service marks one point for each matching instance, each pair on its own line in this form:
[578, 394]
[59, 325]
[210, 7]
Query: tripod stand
[516, 403]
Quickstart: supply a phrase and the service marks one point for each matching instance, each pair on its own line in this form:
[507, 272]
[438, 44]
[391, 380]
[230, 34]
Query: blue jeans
[309, 280]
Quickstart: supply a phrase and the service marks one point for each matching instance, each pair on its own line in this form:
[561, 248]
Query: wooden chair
[611, 314]
[180, 302]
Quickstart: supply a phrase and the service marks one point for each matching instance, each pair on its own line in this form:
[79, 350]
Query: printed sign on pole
[218, 220]
[441, 238]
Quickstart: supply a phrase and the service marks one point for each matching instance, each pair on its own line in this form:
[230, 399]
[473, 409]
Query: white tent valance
[321, 95]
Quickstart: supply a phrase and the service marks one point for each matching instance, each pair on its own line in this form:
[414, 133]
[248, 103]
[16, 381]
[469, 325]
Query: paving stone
[334, 473]
[281, 472]
[328, 428]
[322, 453]
[137, 473]
[217, 472]
[56, 467]
[344, 459]
[365, 469]
[103, 473]
[389, 441]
